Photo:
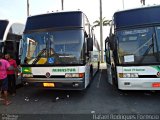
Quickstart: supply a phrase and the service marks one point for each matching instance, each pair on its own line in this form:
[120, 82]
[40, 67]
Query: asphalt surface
[99, 98]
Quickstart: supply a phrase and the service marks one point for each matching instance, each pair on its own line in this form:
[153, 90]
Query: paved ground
[99, 98]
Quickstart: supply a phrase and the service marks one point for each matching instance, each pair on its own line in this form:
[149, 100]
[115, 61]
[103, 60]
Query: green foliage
[104, 22]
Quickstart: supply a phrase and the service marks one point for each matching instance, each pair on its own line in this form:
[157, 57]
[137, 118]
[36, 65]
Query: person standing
[4, 66]
[11, 75]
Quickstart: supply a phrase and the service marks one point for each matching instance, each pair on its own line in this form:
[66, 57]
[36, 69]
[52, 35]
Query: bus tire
[98, 66]
[90, 77]
[114, 77]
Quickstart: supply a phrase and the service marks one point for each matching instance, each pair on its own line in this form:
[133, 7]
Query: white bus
[10, 36]
[133, 49]
[59, 51]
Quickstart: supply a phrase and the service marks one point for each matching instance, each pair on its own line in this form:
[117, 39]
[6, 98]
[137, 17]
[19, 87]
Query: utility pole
[123, 3]
[27, 8]
[62, 4]
[101, 33]
[143, 2]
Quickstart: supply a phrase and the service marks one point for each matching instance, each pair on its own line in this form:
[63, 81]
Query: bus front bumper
[57, 83]
[139, 84]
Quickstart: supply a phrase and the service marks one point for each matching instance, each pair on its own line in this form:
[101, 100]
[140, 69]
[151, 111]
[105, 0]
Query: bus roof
[9, 27]
[3, 26]
[54, 20]
[137, 17]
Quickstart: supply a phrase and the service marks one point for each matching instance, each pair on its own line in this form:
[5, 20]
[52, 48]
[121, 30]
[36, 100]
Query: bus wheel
[114, 78]
[90, 77]
[98, 66]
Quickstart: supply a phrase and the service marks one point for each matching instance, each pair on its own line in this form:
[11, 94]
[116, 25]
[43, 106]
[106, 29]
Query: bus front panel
[139, 77]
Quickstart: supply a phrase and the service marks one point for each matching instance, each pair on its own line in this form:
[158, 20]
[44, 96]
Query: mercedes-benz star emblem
[48, 74]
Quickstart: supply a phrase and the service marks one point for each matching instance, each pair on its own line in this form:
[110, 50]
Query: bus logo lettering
[64, 70]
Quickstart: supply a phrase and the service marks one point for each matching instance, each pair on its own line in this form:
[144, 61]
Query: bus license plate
[156, 84]
[48, 85]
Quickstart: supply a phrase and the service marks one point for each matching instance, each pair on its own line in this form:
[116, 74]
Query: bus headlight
[27, 75]
[74, 75]
[68, 75]
[128, 75]
[134, 75]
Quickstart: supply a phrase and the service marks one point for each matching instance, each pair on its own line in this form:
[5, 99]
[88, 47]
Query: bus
[133, 49]
[10, 36]
[59, 51]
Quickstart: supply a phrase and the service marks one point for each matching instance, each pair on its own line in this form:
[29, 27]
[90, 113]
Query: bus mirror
[1, 44]
[89, 44]
[112, 42]
[1, 47]
[106, 43]
[20, 47]
[107, 40]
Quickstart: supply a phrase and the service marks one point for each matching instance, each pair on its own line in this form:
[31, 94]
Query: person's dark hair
[11, 56]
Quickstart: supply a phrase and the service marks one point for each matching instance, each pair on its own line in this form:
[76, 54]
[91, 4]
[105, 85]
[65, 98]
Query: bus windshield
[138, 46]
[57, 47]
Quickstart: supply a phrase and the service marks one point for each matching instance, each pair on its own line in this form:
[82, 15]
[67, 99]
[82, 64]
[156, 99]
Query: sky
[16, 10]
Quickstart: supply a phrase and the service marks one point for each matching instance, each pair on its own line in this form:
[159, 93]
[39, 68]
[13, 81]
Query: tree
[101, 22]
[104, 22]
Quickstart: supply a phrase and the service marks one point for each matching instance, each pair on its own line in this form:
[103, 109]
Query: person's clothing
[4, 84]
[11, 77]
[11, 84]
[4, 65]
[12, 63]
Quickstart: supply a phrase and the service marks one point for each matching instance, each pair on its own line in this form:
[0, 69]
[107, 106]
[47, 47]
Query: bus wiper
[39, 56]
[148, 49]
[151, 39]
